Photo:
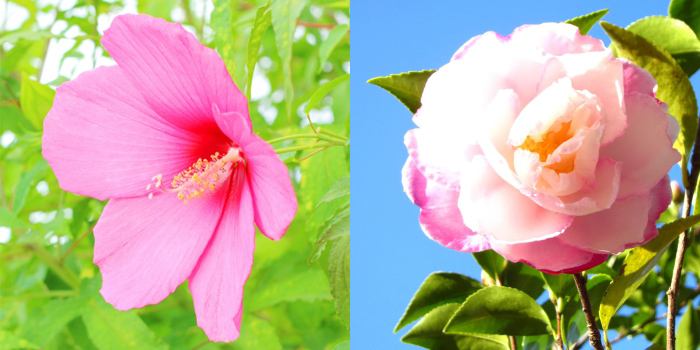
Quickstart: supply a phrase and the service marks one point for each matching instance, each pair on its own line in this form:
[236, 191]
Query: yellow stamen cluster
[202, 175]
[549, 143]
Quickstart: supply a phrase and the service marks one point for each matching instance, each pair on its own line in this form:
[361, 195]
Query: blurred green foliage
[297, 296]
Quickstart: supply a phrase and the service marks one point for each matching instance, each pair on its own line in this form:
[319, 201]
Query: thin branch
[559, 341]
[593, 331]
[77, 241]
[315, 25]
[513, 342]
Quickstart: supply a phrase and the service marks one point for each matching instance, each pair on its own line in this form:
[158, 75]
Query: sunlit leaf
[25, 182]
[337, 226]
[492, 263]
[407, 87]
[36, 100]
[687, 11]
[339, 277]
[672, 35]
[263, 18]
[586, 22]
[334, 37]
[323, 90]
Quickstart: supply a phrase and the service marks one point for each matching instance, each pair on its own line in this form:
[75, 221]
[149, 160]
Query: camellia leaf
[339, 277]
[688, 335]
[673, 85]
[323, 90]
[284, 18]
[438, 289]
[687, 11]
[586, 22]
[499, 310]
[428, 333]
[407, 87]
[638, 263]
[525, 278]
[36, 100]
[492, 263]
[327, 46]
[672, 35]
[560, 285]
[263, 18]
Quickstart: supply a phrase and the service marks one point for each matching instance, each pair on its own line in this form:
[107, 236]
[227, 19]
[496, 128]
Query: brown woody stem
[593, 332]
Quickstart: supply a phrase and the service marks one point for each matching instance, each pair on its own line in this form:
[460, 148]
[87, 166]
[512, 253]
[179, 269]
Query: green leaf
[36, 100]
[687, 11]
[672, 35]
[573, 319]
[499, 310]
[9, 341]
[340, 188]
[638, 263]
[284, 17]
[327, 46]
[524, 278]
[323, 90]
[221, 24]
[111, 329]
[157, 8]
[560, 285]
[257, 334]
[492, 263]
[300, 284]
[688, 336]
[673, 85]
[337, 226]
[428, 334]
[263, 18]
[407, 87]
[339, 276]
[438, 289]
[586, 22]
[343, 346]
[25, 182]
[42, 326]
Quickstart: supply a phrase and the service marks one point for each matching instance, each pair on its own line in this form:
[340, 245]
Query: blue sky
[390, 254]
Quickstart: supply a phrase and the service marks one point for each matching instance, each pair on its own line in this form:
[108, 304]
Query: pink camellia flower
[543, 147]
[166, 136]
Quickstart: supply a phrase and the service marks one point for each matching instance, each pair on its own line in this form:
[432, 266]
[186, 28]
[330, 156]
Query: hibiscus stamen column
[593, 332]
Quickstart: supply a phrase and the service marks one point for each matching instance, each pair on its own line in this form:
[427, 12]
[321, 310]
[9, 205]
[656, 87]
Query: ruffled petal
[218, 279]
[146, 247]
[550, 256]
[440, 217]
[493, 207]
[179, 77]
[103, 140]
[646, 148]
[637, 79]
[555, 38]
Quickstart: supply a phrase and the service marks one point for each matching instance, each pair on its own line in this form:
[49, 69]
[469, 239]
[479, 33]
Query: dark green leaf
[339, 277]
[639, 262]
[673, 85]
[438, 289]
[428, 334]
[672, 35]
[263, 18]
[407, 87]
[524, 278]
[560, 285]
[499, 310]
[688, 336]
[327, 46]
[492, 263]
[687, 11]
[586, 22]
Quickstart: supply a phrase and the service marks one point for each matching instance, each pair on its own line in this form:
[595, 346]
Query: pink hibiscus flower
[166, 136]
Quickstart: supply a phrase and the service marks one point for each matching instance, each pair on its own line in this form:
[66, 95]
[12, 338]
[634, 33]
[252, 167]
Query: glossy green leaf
[339, 277]
[284, 17]
[672, 35]
[428, 333]
[36, 100]
[499, 310]
[687, 11]
[407, 87]
[26, 181]
[639, 262]
[586, 22]
[263, 18]
[334, 37]
[673, 85]
[9, 341]
[688, 334]
[559, 285]
[525, 278]
[324, 90]
[492, 263]
[438, 289]
[337, 226]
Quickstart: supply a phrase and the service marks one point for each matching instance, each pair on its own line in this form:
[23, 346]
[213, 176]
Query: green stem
[49, 294]
[305, 147]
[304, 136]
[64, 273]
[328, 132]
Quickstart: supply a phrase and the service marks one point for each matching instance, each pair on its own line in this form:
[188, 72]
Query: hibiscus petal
[218, 279]
[502, 212]
[104, 141]
[440, 217]
[550, 256]
[646, 148]
[555, 38]
[179, 77]
[146, 247]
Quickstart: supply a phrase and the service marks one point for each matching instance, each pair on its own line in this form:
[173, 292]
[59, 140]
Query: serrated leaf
[25, 182]
[284, 17]
[688, 336]
[42, 326]
[337, 226]
[687, 11]
[492, 263]
[638, 263]
[36, 100]
[263, 18]
[673, 85]
[438, 289]
[428, 334]
[586, 22]
[672, 35]
[323, 90]
[499, 310]
[334, 36]
[339, 277]
[407, 87]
